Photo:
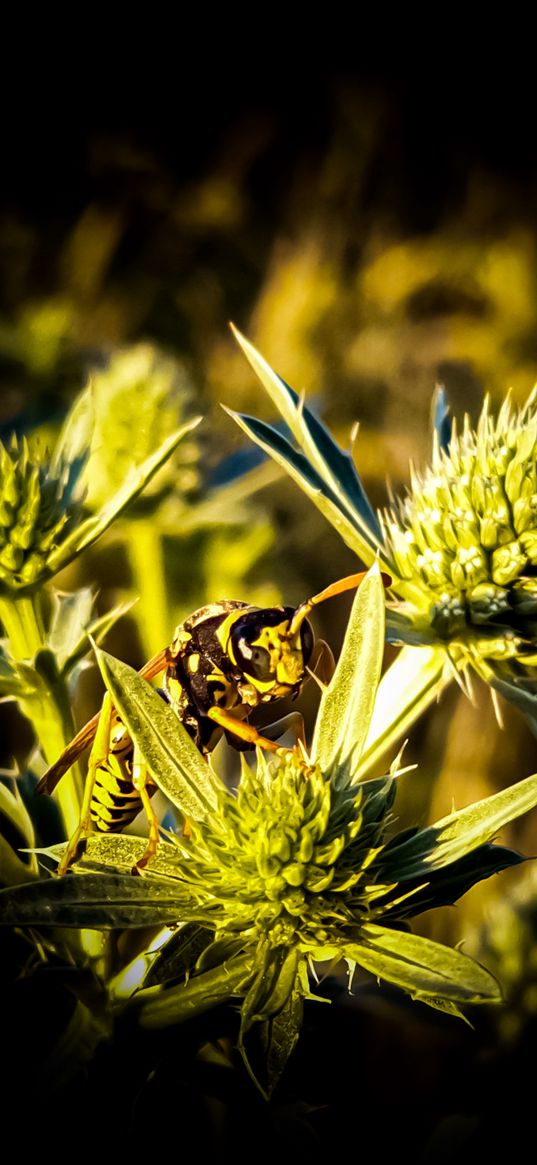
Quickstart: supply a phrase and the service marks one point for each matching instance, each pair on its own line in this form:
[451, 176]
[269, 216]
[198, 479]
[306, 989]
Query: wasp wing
[83, 739]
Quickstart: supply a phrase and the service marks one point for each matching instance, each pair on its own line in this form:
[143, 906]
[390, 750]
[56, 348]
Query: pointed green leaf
[347, 704]
[335, 467]
[279, 1036]
[87, 532]
[447, 885]
[71, 614]
[409, 686]
[13, 808]
[119, 852]
[74, 442]
[176, 1004]
[179, 955]
[72, 625]
[454, 836]
[297, 466]
[99, 901]
[422, 967]
[172, 758]
[275, 978]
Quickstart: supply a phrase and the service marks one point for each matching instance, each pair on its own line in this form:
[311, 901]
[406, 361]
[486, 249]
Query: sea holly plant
[298, 866]
[45, 523]
[461, 547]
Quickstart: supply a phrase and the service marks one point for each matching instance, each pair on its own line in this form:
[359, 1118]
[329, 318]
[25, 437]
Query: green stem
[147, 565]
[47, 704]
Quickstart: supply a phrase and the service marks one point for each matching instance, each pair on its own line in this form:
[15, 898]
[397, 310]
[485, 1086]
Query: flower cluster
[287, 857]
[139, 399]
[467, 533]
[37, 500]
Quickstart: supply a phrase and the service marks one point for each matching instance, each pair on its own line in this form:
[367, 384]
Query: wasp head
[271, 649]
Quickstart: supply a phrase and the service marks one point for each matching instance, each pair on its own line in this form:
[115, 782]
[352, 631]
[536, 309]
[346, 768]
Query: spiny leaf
[160, 1008]
[421, 966]
[456, 835]
[298, 467]
[335, 467]
[100, 901]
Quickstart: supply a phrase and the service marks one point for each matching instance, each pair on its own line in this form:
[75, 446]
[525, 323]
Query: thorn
[353, 437]
[305, 754]
[497, 707]
[314, 676]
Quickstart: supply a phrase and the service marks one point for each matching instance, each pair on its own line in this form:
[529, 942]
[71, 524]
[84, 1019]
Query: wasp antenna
[337, 588]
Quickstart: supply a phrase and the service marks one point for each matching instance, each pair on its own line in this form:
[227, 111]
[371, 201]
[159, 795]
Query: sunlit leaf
[409, 686]
[456, 835]
[298, 467]
[421, 966]
[347, 704]
[168, 751]
[335, 467]
[86, 532]
[71, 614]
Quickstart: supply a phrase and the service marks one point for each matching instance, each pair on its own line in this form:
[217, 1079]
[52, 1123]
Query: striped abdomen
[115, 802]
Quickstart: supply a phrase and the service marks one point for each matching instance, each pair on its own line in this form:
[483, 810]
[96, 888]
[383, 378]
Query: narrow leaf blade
[99, 901]
[422, 966]
[410, 685]
[172, 758]
[347, 704]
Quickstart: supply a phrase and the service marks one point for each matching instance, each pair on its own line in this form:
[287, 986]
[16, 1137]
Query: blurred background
[370, 225]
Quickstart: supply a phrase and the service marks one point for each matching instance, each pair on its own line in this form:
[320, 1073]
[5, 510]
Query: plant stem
[147, 565]
[47, 704]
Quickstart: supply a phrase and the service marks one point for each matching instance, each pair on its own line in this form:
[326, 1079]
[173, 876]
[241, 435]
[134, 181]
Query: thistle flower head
[139, 398]
[38, 498]
[467, 533]
[286, 858]
[42, 526]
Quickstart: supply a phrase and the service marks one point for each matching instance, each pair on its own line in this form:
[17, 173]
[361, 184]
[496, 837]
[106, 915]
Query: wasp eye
[307, 639]
[254, 660]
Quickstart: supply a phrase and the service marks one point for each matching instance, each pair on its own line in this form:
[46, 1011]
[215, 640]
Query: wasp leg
[243, 731]
[98, 756]
[140, 781]
[294, 723]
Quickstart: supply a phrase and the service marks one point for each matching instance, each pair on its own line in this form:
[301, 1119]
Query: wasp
[226, 659]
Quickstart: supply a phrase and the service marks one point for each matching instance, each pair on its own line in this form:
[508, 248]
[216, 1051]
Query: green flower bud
[140, 398]
[254, 870]
[36, 503]
[466, 535]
